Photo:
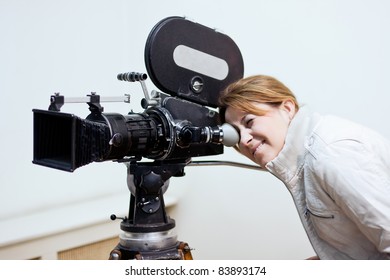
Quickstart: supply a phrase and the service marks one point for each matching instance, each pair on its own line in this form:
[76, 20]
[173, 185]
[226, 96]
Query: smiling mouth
[258, 147]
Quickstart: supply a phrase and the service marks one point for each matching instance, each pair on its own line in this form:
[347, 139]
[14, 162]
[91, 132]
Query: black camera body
[191, 64]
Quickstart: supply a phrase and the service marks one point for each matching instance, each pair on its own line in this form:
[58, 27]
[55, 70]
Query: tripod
[148, 232]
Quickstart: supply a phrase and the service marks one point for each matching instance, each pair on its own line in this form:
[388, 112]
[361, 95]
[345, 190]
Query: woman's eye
[249, 121]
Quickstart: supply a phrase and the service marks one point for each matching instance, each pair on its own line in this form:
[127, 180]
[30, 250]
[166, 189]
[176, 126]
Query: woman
[337, 172]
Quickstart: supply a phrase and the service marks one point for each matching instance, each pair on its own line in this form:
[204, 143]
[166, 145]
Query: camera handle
[148, 232]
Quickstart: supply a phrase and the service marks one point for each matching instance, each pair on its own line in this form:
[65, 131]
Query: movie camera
[190, 64]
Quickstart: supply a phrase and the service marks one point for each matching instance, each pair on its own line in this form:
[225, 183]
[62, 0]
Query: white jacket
[338, 174]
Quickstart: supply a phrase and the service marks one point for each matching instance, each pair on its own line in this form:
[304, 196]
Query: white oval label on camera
[200, 62]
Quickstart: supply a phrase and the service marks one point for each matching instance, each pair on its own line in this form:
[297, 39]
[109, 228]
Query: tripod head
[148, 231]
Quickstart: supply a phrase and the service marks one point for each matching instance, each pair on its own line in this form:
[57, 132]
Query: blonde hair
[259, 88]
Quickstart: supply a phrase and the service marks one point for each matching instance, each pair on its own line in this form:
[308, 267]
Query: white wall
[333, 54]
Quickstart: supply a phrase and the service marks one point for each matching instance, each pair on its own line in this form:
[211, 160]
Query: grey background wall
[332, 54]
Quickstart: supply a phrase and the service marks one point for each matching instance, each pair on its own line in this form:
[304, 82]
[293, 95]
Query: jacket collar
[290, 160]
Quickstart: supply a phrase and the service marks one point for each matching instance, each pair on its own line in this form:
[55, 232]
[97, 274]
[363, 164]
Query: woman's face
[262, 137]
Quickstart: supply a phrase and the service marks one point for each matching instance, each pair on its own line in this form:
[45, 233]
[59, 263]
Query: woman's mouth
[261, 144]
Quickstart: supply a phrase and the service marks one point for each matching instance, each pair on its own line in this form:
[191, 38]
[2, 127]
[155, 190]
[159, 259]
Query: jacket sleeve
[357, 177]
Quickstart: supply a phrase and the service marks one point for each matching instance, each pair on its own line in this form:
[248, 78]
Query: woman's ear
[289, 107]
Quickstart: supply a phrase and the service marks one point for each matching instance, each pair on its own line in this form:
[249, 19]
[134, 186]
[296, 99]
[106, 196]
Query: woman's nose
[245, 138]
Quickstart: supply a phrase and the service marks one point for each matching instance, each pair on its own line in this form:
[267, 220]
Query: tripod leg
[185, 251]
[115, 254]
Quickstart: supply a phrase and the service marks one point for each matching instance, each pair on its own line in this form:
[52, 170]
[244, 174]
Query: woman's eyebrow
[243, 119]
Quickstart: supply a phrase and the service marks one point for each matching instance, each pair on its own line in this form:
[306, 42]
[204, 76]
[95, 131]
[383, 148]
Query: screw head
[197, 84]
